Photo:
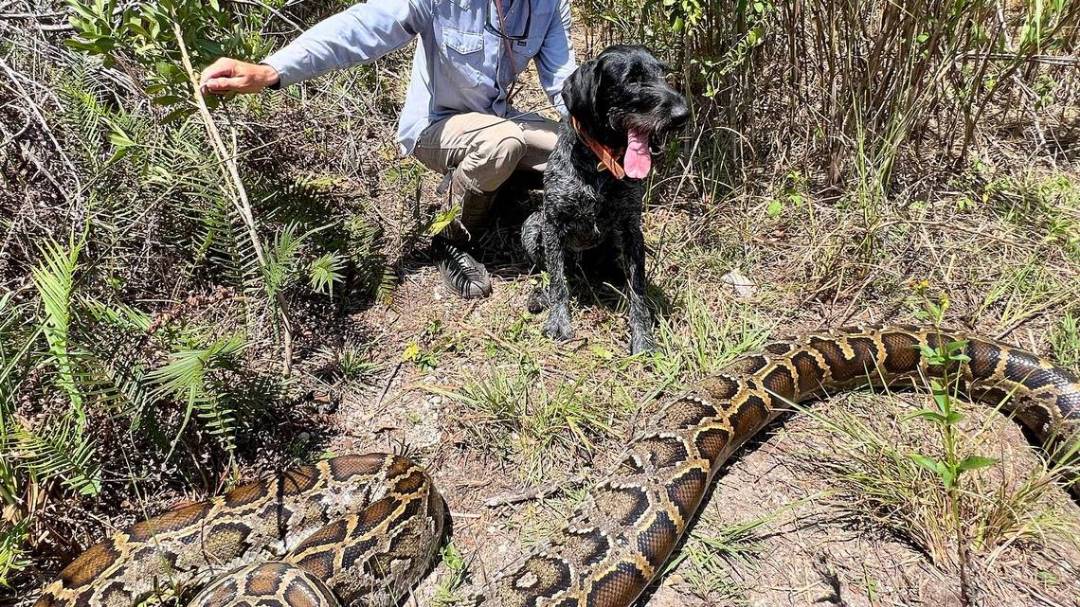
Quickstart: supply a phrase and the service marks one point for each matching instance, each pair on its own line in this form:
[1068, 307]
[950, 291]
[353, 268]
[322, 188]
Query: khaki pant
[480, 152]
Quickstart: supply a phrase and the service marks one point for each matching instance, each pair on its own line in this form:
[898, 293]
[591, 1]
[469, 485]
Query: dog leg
[631, 245]
[557, 326]
[532, 238]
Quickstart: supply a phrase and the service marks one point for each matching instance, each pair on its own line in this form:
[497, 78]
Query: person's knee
[510, 146]
[497, 155]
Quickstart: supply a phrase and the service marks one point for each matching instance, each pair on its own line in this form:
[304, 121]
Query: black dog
[619, 103]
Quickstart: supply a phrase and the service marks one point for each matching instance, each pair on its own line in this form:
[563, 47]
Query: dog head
[623, 100]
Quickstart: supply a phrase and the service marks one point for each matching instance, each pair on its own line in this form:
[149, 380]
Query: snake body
[363, 528]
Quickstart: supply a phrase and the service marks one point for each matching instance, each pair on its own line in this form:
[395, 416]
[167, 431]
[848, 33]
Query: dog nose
[680, 113]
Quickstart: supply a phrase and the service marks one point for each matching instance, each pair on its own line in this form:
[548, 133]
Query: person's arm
[361, 34]
[555, 61]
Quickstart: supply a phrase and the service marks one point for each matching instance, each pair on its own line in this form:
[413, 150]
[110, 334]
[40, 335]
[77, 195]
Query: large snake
[362, 529]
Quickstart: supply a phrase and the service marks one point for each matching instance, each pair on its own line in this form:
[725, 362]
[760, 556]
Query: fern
[384, 292]
[119, 315]
[219, 419]
[60, 450]
[12, 558]
[83, 112]
[54, 280]
[365, 253]
[15, 346]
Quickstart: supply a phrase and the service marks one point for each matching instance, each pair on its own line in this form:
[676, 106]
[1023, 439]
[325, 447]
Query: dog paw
[558, 328]
[642, 344]
[537, 301]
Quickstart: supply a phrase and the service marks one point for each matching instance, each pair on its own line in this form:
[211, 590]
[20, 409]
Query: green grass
[448, 588]
[514, 412]
[870, 461]
[1065, 340]
[719, 558]
[350, 361]
[705, 332]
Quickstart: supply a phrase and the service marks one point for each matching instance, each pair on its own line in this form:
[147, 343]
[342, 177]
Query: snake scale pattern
[362, 529]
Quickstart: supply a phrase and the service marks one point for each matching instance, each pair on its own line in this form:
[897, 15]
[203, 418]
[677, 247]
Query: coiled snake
[362, 529]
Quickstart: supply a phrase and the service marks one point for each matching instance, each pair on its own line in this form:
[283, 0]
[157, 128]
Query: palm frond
[117, 314]
[384, 291]
[365, 252]
[281, 259]
[186, 377]
[325, 272]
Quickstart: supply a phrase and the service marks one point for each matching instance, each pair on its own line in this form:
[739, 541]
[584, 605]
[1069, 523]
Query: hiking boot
[461, 271]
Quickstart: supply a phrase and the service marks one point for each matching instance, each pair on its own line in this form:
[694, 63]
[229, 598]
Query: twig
[240, 198]
[389, 382]
[1037, 311]
[507, 499]
[29, 15]
[1044, 59]
[296, 26]
[36, 112]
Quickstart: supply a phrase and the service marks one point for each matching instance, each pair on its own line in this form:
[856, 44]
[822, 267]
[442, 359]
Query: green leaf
[974, 462]
[176, 114]
[120, 139]
[601, 352]
[167, 100]
[167, 70]
[942, 400]
[953, 418]
[81, 45]
[932, 355]
[928, 415]
[926, 462]
[82, 10]
[444, 219]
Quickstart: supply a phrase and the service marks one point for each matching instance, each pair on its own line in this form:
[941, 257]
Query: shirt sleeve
[555, 61]
[362, 33]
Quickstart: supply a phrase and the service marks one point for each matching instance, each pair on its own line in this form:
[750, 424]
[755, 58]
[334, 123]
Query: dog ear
[580, 89]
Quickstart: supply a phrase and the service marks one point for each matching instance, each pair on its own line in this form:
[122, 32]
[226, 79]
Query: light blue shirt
[456, 61]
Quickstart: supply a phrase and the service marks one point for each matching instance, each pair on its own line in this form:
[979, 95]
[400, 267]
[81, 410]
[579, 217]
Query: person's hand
[231, 76]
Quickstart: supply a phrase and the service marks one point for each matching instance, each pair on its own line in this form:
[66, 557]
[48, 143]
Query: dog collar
[609, 159]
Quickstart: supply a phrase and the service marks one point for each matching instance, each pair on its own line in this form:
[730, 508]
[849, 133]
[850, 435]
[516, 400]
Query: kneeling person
[458, 117]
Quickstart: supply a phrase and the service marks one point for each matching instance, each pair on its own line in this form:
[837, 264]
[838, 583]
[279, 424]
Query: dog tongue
[637, 160]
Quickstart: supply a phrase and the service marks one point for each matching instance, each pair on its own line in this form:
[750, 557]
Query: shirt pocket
[464, 53]
[525, 50]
